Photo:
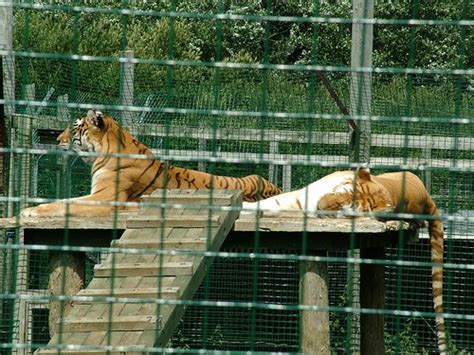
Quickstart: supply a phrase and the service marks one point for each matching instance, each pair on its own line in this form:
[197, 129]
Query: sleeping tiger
[98, 133]
[392, 192]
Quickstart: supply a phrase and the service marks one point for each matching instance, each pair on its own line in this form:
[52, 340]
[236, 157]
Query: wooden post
[372, 296]
[126, 85]
[314, 324]
[66, 277]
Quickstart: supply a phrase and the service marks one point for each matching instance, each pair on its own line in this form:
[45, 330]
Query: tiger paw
[30, 212]
[43, 210]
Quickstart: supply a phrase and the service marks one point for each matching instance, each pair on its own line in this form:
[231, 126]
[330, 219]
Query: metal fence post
[126, 85]
[360, 105]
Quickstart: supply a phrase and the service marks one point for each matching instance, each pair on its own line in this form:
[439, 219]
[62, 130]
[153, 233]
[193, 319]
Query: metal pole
[6, 44]
[126, 86]
[361, 83]
[8, 82]
[361, 105]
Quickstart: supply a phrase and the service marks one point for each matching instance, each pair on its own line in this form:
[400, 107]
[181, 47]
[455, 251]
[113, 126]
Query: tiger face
[368, 195]
[87, 134]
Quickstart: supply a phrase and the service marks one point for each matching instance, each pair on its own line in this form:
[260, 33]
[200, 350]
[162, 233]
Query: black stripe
[158, 173]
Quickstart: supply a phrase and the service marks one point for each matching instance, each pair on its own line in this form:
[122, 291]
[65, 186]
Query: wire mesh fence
[273, 88]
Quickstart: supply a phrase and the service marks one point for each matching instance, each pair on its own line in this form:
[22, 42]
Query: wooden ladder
[126, 307]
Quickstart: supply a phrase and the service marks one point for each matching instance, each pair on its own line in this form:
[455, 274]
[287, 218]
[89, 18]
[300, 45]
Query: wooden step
[115, 323]
[155, 243]
[150, 292]
[144, 269]
[182, 221]
[192, 197]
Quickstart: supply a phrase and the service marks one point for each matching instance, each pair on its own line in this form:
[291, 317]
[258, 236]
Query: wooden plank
[122, 317]
[171, 314]
[128, 258]
[155, 243]
[79, 310]
[270, 135]
[126, 282]
[142, 269]
[96, 337]
[285, 223]
[132, 323]
[132, 282]
[284, 159]
[113, 338]
[93, 310]
[110, 309]
[144, 233]
[75, 338]
[144, 221]
[130, 309]
[63, 222]
[148, 337]
[131, 338]
[151, 292]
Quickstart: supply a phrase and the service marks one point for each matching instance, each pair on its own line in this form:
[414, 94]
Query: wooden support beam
[372, 296]
[66, 277]
[314, 332]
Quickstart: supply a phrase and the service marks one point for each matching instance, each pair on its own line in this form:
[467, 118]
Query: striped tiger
[126, 179]
[391, 192]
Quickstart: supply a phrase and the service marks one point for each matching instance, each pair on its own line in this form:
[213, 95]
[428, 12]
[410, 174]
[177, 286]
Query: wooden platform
[125, 304]
[128, 306]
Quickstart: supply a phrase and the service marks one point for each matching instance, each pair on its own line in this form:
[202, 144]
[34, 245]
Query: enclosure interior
[237, 95]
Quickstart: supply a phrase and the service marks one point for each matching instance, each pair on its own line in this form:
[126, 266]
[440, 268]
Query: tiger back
[123, 169]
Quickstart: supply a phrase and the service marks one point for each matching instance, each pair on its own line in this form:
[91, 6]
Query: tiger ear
[96, 118]
[363, 173]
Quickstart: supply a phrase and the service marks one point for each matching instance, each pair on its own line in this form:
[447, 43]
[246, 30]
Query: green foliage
[105, 35]
[405, 343]
[436, 46]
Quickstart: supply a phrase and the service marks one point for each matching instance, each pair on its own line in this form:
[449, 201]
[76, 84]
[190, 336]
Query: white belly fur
[308, 197]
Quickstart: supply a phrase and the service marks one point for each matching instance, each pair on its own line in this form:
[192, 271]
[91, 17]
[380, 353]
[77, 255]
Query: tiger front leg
[71, 207]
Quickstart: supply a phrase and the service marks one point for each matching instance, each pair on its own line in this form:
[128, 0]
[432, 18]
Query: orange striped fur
[392, 192]
[406, 193]
[99, 133]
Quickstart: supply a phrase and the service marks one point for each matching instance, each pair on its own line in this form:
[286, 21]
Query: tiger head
[87, 134]
[366, 195]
